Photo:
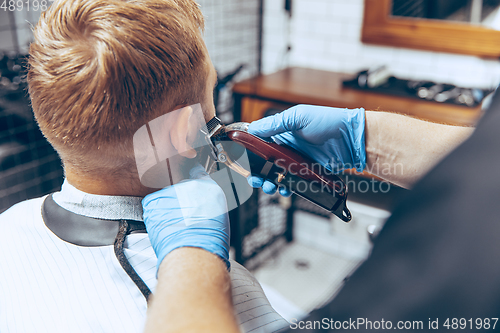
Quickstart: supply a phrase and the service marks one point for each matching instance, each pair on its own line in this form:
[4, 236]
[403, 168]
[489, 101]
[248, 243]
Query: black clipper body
[279, 164]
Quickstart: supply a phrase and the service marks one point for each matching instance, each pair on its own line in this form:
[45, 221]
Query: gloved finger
[284, 192]
[198, 171]
[288, 120]
[269, 188]
[255, 181]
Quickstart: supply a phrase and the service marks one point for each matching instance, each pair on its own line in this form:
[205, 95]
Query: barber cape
[51, 285]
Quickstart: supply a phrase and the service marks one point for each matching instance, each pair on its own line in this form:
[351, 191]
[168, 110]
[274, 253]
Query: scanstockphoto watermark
[355, 324]
[367, 185]
[353, 185]
[364, 324]
[353, 182]
[333, 167]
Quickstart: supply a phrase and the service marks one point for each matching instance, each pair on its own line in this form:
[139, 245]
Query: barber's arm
[189, 231]
[193, 295]
[402, 149]
[397, 148]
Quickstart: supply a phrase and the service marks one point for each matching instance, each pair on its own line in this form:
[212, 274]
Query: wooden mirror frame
[426, 34]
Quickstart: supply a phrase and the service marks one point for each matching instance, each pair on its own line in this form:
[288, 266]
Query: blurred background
[432, 59]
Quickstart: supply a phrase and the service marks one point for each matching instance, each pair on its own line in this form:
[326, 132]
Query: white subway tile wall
[326, 34]
[232, 38]
[7, 40]
[231, 32]
[15, 29]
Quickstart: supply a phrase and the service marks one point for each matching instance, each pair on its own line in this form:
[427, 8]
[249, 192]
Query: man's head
[99, 70]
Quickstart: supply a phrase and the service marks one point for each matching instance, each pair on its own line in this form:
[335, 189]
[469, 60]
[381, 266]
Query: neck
[121, 184]
[107, 186]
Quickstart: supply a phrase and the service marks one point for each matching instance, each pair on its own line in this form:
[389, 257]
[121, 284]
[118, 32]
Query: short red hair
[100, 69]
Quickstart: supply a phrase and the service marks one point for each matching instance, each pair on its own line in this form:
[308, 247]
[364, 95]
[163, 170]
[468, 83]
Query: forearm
[402, 149]
[193, 295]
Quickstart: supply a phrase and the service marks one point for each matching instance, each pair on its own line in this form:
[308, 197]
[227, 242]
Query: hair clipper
[278, 164]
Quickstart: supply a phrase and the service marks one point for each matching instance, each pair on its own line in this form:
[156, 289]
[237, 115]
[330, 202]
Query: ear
[180, 131]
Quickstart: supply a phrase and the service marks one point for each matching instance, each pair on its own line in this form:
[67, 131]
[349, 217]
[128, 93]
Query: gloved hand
[192, 213]
[333, 137]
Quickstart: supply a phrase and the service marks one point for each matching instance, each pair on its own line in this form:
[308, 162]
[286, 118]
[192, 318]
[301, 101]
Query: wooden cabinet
[255, 108]
[291, 86]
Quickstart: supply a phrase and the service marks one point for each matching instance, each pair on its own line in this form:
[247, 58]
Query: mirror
[483, 12]
[435, 25]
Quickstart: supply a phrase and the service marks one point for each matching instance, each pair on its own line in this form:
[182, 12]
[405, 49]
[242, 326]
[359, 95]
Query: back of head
[100, 69]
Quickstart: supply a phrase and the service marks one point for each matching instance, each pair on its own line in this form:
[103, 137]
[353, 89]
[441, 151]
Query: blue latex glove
[192, 213]
[333, 137]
